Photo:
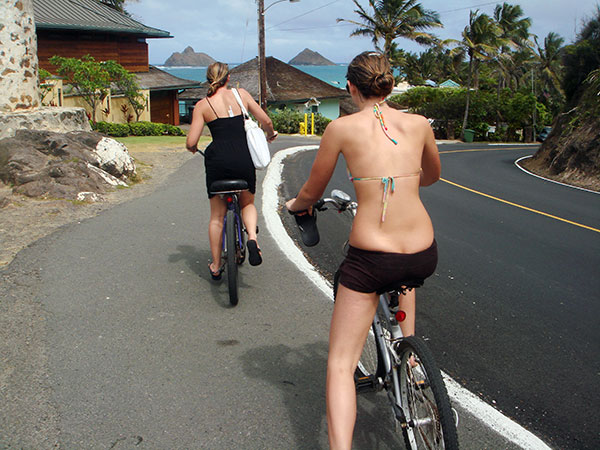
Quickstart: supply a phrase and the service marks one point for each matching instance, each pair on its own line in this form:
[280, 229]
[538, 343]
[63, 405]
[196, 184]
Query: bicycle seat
[227, 186]
[403, 287]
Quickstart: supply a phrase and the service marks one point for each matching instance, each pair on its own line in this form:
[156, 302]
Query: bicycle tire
[428, 413]
[232, 266]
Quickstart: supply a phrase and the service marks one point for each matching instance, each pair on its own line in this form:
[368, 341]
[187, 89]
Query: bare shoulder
[415, 120]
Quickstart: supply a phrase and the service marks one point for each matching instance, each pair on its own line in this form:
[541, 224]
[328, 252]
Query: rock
[63, 165]
[59, 120]
[189, 58]
[114, 158]
[309, 58]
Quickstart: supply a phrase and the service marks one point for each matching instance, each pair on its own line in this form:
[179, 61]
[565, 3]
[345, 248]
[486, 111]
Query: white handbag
[257, 142]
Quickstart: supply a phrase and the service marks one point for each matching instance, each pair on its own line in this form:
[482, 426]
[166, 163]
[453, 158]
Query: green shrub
[136, 129]
[288, 121]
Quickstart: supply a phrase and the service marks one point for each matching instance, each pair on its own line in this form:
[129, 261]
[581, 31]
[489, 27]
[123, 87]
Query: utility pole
[262, 64]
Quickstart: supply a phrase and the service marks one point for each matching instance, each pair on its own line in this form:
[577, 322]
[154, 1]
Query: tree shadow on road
[298, 373]
[197, 261]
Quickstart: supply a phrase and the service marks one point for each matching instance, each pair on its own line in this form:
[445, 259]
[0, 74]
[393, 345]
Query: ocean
[334, 75]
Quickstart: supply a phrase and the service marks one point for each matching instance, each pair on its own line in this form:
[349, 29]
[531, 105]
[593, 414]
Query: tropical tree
[481, 40]
[581, 58]
[92, 80]
[117, 4]
[515, 37]
[392, 19]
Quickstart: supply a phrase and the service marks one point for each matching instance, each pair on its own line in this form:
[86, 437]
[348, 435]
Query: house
[89, 27]
[287, 87]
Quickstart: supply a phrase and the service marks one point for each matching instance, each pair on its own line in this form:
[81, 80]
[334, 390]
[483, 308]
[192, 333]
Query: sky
[227, 29]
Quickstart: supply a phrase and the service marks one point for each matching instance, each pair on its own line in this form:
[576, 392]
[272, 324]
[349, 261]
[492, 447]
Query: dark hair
[372, 75]
[216, 75]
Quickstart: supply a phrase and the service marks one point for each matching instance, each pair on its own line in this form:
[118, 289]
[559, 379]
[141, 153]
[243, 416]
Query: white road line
[548, 179]
[489, 416]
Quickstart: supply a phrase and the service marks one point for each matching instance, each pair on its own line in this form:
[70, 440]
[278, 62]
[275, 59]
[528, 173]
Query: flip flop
[254, 253]
[216, 276]
[307, 224]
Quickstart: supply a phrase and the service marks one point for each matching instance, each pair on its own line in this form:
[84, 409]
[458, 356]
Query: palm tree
[392, 19]
[481, 41]
[515, 34]
[549, 60]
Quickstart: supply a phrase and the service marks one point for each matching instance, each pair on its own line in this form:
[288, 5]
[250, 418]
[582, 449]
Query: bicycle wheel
[429, 417]
[232, 267]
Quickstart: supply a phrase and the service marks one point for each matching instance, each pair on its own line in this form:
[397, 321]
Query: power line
[303, 14]
[468, 7]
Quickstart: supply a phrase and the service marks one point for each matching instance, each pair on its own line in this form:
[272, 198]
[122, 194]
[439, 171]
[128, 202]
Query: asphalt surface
[511, 312]
[117, 337]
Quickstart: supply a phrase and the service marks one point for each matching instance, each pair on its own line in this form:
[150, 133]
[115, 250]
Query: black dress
[227, 157]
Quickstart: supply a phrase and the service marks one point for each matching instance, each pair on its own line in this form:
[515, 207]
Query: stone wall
[19, 86]
[59, 120]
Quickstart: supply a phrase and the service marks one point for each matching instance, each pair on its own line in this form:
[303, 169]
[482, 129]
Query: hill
[189, 58]
[571, 153]
[309, 58]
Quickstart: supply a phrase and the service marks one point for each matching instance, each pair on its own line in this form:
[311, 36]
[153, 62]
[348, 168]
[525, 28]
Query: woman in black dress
[227, 156]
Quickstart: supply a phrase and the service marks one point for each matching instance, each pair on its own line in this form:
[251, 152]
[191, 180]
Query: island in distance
[309, 58]
[189, 58]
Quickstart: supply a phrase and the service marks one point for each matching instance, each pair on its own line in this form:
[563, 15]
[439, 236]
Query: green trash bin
[469, 135]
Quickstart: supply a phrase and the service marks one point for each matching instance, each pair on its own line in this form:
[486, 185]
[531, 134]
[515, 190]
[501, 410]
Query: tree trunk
[462, 132]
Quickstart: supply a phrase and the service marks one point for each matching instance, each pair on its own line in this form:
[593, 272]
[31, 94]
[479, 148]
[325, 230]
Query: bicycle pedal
[366, 384]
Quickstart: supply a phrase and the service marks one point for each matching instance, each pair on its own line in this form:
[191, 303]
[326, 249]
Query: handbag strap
[239, 100]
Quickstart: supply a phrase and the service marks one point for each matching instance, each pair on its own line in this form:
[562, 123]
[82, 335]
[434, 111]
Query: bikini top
[388, 186]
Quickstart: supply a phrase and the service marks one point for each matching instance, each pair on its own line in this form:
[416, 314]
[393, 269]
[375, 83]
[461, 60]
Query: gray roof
[159, 80]
[90, 15]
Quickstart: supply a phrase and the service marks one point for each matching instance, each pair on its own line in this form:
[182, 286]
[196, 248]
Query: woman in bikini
[390, 154]
[227, 157]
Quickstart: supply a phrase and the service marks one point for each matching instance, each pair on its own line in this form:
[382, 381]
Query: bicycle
[403, 366]
[234, 231]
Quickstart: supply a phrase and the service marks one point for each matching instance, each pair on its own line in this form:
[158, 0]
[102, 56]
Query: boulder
[57, 119]
[75, 165]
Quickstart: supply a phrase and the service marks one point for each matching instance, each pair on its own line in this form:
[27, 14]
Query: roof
[159, 80]
[450, 83]
[284, 83]
[90, 15]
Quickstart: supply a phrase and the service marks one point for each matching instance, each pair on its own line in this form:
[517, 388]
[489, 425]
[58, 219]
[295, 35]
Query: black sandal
[255, 255]
[216, 276]
[307, 224]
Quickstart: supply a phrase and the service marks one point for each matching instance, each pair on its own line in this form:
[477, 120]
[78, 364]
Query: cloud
[227, 30]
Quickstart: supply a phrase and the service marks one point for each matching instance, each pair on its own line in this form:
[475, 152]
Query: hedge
[136, 129]
[513, 110]
[288, 121]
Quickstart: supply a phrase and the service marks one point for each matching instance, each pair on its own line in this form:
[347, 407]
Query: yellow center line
[521, 206]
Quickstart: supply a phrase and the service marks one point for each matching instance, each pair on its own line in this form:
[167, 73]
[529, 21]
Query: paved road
[512, 310]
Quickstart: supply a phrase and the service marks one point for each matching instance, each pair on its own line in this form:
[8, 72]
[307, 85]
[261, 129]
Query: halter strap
[389, 185]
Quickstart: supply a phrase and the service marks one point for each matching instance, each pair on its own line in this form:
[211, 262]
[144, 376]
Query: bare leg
[215, 230]
[407, 303]
[352, 316]
[249, 214]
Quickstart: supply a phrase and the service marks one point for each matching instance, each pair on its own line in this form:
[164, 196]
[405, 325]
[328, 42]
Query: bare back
[388, 176]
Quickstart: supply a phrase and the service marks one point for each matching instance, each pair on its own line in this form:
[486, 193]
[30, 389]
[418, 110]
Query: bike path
[130, 345]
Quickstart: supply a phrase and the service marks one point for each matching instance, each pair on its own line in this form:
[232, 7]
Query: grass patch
[141, 143]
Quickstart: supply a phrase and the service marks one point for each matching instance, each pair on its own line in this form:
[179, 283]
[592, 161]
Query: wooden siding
[164, 107]
[127, 51]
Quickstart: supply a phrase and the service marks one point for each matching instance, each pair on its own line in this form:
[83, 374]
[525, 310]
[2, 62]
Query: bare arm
[431, 167]
[262, 117]
[193, 136]
[321, 171]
